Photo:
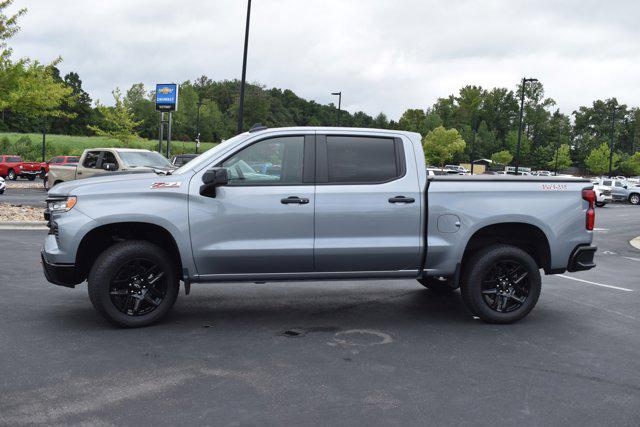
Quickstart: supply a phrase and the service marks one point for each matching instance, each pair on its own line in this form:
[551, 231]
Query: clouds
[383, 55]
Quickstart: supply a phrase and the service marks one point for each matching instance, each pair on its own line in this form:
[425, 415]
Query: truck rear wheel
[436, 285]
[501, 284]
[11, 174]
[133, 284]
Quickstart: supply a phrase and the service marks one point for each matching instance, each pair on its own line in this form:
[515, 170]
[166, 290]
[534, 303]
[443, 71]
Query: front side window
[619, 184]
[109, 157]
[354, 159]
[91, 160]
[607, 183]
[271, 161]
[14, 159]
[148, 159]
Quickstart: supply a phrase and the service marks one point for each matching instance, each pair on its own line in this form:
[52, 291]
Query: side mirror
[211, 179]
[626, 186]
[109, 166]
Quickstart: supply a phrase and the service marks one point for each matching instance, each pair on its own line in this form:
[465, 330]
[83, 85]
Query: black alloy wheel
[138, 288]
[505, 287]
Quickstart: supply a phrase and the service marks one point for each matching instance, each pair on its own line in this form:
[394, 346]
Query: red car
[58, 160]
[12, 167]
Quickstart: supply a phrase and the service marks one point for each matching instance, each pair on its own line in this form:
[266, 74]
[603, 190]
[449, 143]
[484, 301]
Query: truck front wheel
[501, 284]
[12, 175]
[133, 283]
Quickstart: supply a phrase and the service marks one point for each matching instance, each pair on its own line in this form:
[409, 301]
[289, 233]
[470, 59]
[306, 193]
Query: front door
[368, 205]
[262, 221]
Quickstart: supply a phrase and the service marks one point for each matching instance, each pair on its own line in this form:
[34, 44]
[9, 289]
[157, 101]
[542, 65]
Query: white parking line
[631, 258]
[595, 284]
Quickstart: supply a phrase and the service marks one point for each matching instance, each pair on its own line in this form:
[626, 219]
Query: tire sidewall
[107, 266]
[12, 175]
[637, 198]
[480, 264]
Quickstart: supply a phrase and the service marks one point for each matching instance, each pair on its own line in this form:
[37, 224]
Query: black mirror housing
[109, 166]
[214, 177]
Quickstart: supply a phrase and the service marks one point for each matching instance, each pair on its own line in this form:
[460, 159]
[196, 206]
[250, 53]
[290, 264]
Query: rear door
[90, 164]
[368, 204]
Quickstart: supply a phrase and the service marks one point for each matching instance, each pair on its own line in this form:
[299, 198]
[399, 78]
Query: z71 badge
[164, 185]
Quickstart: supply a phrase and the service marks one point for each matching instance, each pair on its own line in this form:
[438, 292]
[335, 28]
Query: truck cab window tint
[13, 159]
[619, 184]
[57, 160]
[269, 162]
[91, 159]
[361, 159]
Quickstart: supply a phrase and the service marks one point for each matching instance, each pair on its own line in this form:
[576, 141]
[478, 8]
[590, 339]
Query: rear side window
[606, 183]
[14, 159]
[91, 159]
[355, 159]
[56, 160]
[72, 159]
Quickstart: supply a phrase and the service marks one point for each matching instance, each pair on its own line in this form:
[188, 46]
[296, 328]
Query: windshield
[204, 158]
[144, 159]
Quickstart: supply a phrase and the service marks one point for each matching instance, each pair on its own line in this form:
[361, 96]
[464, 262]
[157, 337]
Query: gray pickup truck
[315, 204]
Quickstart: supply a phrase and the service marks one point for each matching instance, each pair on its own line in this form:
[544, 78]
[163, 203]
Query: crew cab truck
[12, 167]
[345, 204]
[98, 161]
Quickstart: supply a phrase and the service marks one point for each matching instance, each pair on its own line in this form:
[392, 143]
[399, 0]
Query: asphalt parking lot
[24, 196]
[346, 353]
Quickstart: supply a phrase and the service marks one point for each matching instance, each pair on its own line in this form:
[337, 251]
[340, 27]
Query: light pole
[473, 142]
[558, 148]
[524, 83]
[613, 135]
[198, 124]
[244, 69]
[339, 95]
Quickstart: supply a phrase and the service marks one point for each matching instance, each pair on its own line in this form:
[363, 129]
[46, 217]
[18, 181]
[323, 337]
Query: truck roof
[113, 148]
[336, 129]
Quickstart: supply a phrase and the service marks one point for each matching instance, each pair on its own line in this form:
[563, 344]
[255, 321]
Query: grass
[75, 145]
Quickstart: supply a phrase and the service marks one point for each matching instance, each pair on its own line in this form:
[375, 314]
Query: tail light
[590, 196]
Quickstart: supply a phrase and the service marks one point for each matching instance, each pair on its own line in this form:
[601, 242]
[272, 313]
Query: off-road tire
[478, 267]
[107, 266]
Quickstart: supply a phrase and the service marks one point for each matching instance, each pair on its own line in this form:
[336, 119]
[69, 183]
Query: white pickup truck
[96, 161]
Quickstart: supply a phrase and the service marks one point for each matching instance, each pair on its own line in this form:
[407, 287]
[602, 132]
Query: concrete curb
[635, 242]
[23, 225]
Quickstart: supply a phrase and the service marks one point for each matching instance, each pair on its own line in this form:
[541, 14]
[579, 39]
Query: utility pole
[244, 69]
[524, 83]
[339, 95]
[613, 135]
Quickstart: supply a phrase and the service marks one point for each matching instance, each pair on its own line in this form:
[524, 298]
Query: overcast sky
[383, 55]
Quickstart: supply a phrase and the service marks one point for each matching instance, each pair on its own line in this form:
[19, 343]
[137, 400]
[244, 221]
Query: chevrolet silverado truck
[12, 167]
[97, 161]
[344, 204]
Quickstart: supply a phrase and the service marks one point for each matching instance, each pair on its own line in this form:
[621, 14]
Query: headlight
[62, 204]
[21, 167]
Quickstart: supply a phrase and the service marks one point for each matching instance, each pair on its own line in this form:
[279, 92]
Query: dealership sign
[166, 97]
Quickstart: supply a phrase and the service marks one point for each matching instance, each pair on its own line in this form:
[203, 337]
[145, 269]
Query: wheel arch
[98, 239]
[526, 236]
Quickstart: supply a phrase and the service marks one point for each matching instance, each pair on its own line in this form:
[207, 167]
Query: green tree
[503, 157]
[562, 159]
[8, 26]
[117, 121]
[598, 159]
[441, 144]
[630, 166]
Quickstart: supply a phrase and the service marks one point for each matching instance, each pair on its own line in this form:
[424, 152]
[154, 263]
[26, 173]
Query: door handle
[401, 199]
[294, 200]
[78, 173]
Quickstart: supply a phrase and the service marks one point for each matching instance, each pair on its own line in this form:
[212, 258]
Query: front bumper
[582, 258]
[59, 274]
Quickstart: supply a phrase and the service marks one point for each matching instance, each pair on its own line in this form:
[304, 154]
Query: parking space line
[595, 284]
[631, 258]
